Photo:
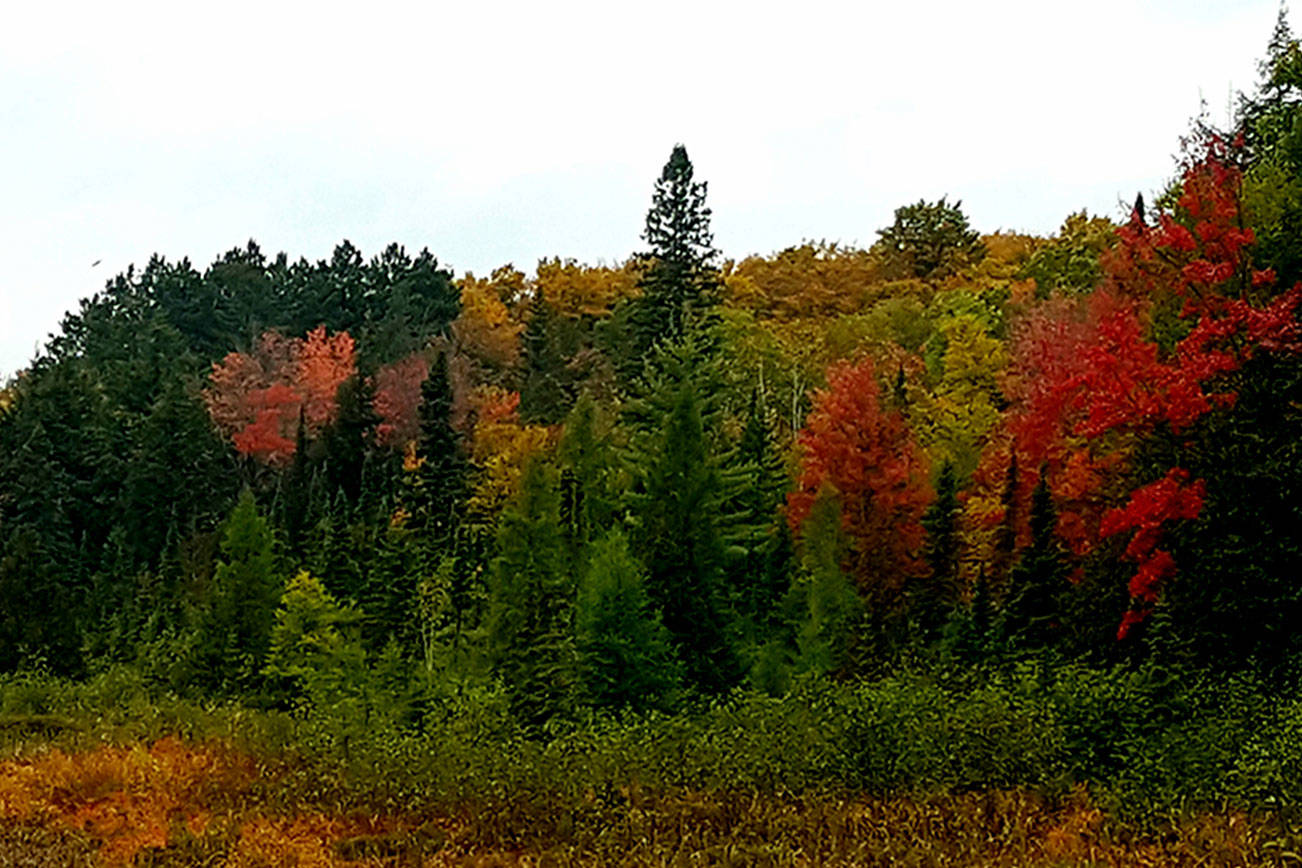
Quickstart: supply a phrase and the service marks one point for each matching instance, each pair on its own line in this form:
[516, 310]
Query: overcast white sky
[497, 132]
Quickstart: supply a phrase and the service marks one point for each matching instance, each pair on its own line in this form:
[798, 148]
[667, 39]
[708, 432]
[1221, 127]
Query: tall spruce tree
[762, 538]
[680, 284]
[349, 438]
[678, 503]
[935, 596]
[1032, 614]
[531, 603]
[542, 394]
[441, 479]
[824, 604]
[234, 624]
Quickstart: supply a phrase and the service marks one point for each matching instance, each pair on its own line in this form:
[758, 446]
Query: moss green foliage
[530, 604]
[625, 655]
[233, 623]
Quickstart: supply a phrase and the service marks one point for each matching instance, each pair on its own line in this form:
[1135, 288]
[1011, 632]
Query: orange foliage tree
[866, 455]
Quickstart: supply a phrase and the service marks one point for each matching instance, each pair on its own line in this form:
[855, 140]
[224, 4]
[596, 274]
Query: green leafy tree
[626, 656]
[929, 240]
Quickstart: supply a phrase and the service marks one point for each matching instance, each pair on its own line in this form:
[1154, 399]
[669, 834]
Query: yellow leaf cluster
[578, 290]
[485, 329]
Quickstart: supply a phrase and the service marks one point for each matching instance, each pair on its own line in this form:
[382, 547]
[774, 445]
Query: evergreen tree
[677, 502]
[531, 603]
[680, 285]
[542, 395]
[588, 476]
[296, 491]
[935, 595]
[440, 480]
[1032, 614]
[823, 599]
[234, 626]
[349, 439]
[625, 653]
[762, 537]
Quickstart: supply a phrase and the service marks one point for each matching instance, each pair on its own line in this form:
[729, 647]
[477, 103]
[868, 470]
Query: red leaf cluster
[256, 398]
[397, 400]
[1172, 498]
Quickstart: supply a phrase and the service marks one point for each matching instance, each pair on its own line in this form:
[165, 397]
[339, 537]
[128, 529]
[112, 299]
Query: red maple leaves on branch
[1091, 380]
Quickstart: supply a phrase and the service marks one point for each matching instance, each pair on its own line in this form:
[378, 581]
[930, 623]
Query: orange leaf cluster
[869, 458]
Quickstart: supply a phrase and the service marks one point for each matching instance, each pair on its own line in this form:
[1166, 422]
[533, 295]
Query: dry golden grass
[170, 803]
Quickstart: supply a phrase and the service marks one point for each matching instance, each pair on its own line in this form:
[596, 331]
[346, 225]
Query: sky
[505, 132]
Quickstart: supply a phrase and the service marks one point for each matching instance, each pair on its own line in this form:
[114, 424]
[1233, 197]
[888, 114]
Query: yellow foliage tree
[500, 449]
[485, 329]
[953, 420]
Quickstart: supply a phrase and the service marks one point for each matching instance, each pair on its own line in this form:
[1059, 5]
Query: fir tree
[349, 438]
[588, 470]
[234, 626]
[678, 504]
[531, 603]
[626, 657]
[823, 598]
[935, 596]
[1032, 617]
[542, 395]
[440, 480]
[761, 535]
[296, 491]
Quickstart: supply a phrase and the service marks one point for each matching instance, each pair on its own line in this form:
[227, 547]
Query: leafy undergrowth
[207, 803]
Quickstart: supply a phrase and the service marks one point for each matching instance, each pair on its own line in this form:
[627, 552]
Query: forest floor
[170, 802]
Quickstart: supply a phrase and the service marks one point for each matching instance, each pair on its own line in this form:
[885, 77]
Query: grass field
[175, 803]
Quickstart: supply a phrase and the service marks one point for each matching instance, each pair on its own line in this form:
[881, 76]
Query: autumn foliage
[1148, 354]
[257, 398]
[865, 455]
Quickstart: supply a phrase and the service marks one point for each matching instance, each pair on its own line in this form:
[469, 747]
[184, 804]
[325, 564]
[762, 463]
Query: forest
[982, 543]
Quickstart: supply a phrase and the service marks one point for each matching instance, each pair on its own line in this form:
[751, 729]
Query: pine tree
[441, 478]
[349, 439]
[542, 395]
[680, 285]
[760, 571]
[531, 603]
[588, 468]
[296, 491]
[823, 598]
[625, 653]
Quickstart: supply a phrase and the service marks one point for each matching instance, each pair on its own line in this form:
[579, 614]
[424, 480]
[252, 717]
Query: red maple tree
[257, 398]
